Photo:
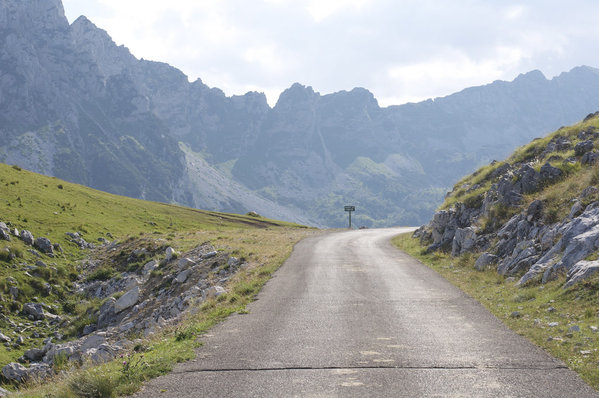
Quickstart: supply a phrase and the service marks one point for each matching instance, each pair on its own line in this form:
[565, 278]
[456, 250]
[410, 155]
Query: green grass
[578, 305]
[50, 207]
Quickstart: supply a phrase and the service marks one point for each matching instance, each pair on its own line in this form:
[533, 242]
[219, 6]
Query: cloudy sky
[401, 50]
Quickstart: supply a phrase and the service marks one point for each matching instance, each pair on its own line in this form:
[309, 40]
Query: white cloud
[515, 12]
[400, 50]
[322, 9]
[449, 72]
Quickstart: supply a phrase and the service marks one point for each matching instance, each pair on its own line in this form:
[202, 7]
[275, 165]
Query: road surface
[348, 315]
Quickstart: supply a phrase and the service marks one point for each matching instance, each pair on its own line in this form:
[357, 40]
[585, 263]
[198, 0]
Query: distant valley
[75, 105]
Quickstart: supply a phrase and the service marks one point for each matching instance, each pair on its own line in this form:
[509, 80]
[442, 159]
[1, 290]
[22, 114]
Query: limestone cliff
[535, 216]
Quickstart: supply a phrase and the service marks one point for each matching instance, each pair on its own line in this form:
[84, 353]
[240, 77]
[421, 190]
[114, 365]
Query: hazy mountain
[75, 105]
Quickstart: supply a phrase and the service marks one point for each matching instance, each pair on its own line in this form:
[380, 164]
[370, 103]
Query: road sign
[350, 209]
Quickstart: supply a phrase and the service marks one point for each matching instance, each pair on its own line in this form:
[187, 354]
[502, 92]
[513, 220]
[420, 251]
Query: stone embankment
[519, 237]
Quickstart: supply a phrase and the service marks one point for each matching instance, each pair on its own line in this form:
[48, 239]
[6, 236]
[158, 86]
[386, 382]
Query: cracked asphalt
[348, 315]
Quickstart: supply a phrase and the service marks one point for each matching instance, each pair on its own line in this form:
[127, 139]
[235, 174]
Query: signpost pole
[350, 209]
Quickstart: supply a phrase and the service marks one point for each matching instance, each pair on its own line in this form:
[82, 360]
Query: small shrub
[525, 296]
[69, 307]
[6, 256]
[595, 175]
[551, 215]
[37, 285]
[133, 366]
[101, 274]
[245, 289]
[184, 334]
[465, 260]
[15, 307]
[17, 168]
[80, 323]
[60, 186]
[18, 253]
[474, 202]
[60, 362]
[93, 383]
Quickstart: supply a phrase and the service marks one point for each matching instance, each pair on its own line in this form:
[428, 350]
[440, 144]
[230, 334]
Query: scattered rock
[36, 310]
[170, 253]
[213, 292]
[588, 191]
[574, 328]
[575, 210]
[88, 329]
[127, 300]
[4, 235]
[93, 341]
[4, 338]
[485, 260]
[15, 372]
[534, 211]
[583, 147]
[553, 324]
[35, 354]
[182, 276]
[107, 313]
[589, 158]
[185, 262]
[27, 237]
[529, 179]
[550, 174]
[149, 267]
[464, 240]
[210, 254]
[233, 262]
[44, 245]
[580, 271]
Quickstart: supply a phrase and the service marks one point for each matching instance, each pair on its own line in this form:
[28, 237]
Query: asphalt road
[348, 315]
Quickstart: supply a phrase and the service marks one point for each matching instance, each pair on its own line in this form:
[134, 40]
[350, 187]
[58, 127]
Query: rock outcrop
[501, 220]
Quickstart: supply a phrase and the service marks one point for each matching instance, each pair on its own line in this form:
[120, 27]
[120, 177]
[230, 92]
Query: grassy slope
[578, 305]
[557, 197]
[50, 207]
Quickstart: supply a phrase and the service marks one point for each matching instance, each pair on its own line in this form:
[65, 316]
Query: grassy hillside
[49, 207]
[557, 196]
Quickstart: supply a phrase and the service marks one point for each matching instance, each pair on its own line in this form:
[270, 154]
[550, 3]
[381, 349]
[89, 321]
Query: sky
[400, 50]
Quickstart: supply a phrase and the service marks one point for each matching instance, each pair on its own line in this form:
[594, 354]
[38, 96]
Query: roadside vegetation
[50, 207]
[564, 322]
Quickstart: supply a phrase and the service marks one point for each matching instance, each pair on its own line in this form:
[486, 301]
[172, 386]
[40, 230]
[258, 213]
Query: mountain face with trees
[75, 105]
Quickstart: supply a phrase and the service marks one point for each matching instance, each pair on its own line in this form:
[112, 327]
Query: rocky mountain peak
[532, 76]
[295, 95]
[111, 59]
[32, 16]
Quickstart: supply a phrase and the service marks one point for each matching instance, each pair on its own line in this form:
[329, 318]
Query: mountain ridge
[78, 106]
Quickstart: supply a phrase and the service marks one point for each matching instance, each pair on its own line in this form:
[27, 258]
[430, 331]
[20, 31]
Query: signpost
[350, 209]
